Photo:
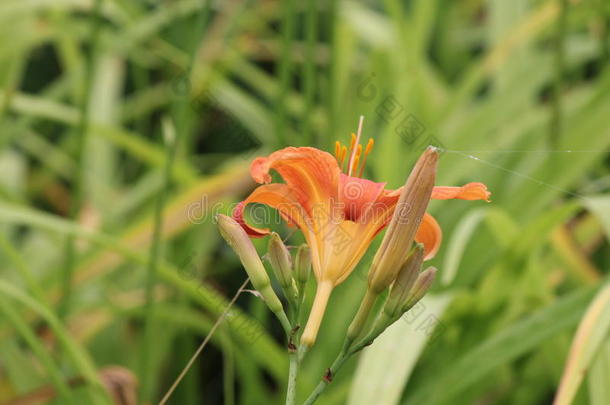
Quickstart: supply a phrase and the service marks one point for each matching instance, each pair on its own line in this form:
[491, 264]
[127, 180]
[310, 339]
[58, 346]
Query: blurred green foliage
[516, 93]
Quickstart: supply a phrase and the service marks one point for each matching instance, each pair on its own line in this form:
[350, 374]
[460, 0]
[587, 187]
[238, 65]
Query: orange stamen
[337, 149]
[367, 150]
[349, 152]
[342, 157]
[356, 159]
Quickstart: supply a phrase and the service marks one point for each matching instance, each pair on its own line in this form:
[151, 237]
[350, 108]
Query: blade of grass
[21, 266]
[592, 332]
[228, 370]
[55, 376]
[385, 367]
[309, 69]
[81, 133]
[556, 122]
[458, 243]
[599, 390]
[501, 348]
[284, 72]
[203, 344]
[75, 352]
[268, 353]
[135, 145]
[171, 144]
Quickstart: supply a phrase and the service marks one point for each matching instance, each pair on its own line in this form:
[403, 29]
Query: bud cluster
[291, 278]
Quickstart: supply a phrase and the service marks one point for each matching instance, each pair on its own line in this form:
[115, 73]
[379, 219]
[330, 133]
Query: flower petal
[357, 196]
[470, 191]
[310, 173]
[278, 196]
[430, 234]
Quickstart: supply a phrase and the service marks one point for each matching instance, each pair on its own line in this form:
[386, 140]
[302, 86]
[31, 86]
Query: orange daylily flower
[339, 213]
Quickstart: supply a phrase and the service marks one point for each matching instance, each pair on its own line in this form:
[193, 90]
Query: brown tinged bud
[404, 282]
[420, 288]
[121, 384]
[302, 264]
[240, 242]
[406, 219]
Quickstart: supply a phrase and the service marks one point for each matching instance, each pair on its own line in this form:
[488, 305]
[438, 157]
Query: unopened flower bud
[406, 219]
[420, 288]
[302, 264]
[239, 241]
[281, 263]
[280, 260]
[404, 282]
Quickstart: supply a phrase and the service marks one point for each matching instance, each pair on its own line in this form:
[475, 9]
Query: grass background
[125, 124]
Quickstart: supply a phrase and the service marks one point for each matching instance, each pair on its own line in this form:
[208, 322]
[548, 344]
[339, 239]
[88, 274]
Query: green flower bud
[280, 260]
[405, 280]
[281, 263]
[420, 288]
[302, 264]
[240, 242]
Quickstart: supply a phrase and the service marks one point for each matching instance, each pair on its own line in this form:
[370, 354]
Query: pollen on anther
[369, 146]
[367, 150]
[342, 156]
[354, 163]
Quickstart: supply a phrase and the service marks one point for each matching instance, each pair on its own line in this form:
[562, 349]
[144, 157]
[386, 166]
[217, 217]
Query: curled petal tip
[478, 191]
[260, 171]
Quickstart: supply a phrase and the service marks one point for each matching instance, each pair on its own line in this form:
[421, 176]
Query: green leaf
[591, 334]
[600, 205]
[458, 244]
[385, 366]
[599, 389]
[501, 348]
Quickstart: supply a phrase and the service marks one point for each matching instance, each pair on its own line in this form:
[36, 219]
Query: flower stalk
[317, 313]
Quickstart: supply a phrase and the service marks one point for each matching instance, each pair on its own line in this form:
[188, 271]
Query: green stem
[380, 326]
[300, 306]
[334, 368]
[79, 181]
[349, 349]
[292, 378]
[292, 357]
[281, 316]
